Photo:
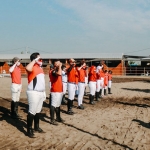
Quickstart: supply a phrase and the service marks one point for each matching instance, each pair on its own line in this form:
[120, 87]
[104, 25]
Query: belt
[81, 82]
[72, 82]
[35, 90]
[64, 82]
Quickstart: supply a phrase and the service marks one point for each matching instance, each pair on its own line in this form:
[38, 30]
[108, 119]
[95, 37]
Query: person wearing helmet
[16, 87]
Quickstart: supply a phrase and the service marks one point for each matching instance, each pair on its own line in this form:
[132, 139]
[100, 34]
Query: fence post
[123, 67]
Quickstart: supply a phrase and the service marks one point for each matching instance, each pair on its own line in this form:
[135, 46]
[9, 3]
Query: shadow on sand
[18, 123]
[98, 136]
[133, 104]
[144, 124]
[137, 90]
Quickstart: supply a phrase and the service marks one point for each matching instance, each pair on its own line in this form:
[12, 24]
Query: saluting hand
[36, 60]
[60, 64]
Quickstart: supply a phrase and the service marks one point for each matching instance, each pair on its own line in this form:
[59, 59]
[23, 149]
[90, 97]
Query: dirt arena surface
[119, 121]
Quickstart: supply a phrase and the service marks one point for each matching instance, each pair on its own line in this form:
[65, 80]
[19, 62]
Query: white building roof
[112, 56]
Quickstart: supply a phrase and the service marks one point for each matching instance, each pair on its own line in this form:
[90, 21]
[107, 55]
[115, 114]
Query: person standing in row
[98, 81]
[81, 83]
[50, 70]
[35, 93]
[64, 81]
[102, 75]
[92, 83]
[86, 82]
[56, 92]
[105, 82]
[109, 81]
[16, 87]
[72, 76]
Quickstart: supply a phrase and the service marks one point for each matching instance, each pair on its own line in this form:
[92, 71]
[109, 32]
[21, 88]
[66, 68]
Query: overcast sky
[104, 26]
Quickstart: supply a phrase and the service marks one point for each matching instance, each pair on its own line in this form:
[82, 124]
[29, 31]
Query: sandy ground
[119, 121]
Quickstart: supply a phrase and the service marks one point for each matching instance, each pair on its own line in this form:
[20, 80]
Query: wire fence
[137, 71]
[118, 71]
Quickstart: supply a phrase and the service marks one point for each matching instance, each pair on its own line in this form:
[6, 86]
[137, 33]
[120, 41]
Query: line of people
[62, 79]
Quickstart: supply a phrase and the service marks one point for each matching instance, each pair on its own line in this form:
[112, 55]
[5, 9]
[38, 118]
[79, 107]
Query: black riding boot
[36, 123]
[49, 100]
[92, 100]
[97, 96]
[30, 118]
[100, 93]
[58, 118]
[91, 97]
[52, 111]
[70, 105]
[17, 104]
[109, 91]
[63, 102]
[105, 92]
[14, 110]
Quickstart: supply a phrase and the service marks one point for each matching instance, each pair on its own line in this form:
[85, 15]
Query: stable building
[117, 62]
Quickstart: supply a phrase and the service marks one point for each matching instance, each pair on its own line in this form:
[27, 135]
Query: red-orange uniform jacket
[106, 79]
[73, 75]
[82, 75]
[56, 82]
[98, 75]
[92, 74]
[109, 77]
[102, 74]
[16, 76]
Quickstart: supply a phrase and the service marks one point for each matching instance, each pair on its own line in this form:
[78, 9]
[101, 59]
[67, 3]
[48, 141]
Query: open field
[119, 121]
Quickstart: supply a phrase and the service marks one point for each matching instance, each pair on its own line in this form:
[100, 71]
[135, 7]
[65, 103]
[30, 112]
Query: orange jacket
[102, 74]
[106, 79]
[109, 77]
[92, 74]
[82, 75]
[72, 75]
[16, 76]
[56, 82]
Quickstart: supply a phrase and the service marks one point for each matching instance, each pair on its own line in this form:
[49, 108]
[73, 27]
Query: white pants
[92, 86]
[64, 87]
[109, 83]
[49, 85]
[16, 90]
[106, 87]
[81, 88]
[56, 98]
[102, 86]
[102, 83]
[35, 101]
[71, 90]
[98, 87]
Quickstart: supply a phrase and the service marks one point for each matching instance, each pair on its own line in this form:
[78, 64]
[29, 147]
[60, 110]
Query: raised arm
[11, 69]
[29, 67]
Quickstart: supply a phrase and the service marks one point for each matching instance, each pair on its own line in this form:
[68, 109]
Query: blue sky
[104, 26]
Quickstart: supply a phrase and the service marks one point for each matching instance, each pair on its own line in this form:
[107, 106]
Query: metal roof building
[117, 62]
[115, 56]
